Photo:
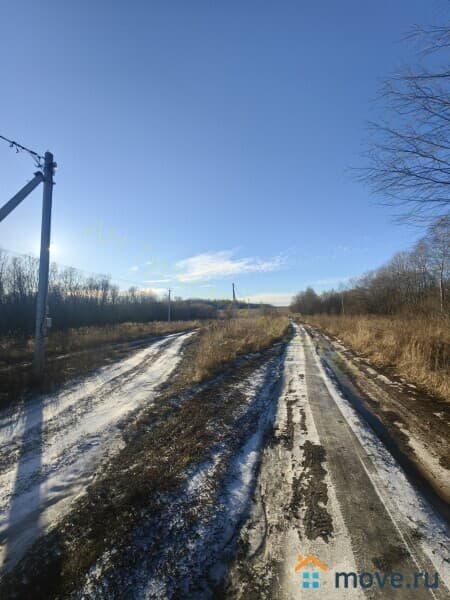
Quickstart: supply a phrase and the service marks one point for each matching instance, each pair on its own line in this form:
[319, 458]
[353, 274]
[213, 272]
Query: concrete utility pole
[234, 295]
[42, 322]
[44, 262]
[169, 316]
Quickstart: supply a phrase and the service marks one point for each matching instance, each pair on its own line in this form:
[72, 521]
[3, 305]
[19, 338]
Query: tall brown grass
[72, 353]
[77, 351]
[222, 341]
[418, 348]
[13, 349]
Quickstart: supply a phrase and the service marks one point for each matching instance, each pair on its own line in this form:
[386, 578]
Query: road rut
[324, 490]
[52, 447]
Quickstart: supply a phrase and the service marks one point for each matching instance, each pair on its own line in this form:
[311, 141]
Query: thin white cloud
[215, 265]
[134, 268]
[166, 280]
[275, 298]
[157, 291]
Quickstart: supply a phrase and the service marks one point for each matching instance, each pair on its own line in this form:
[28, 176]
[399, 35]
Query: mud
[287, 437]
[159, 522]
[310, 495]
[390, 559]
[140, 502]
[413, 425]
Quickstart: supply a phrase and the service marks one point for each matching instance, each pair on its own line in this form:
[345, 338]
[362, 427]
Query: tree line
[413, 281]
[77, 300]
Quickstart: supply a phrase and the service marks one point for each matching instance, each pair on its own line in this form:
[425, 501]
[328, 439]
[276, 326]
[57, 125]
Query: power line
[19, 148]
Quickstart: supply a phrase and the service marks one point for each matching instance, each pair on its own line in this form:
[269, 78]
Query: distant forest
[77, 300]
[414, 281]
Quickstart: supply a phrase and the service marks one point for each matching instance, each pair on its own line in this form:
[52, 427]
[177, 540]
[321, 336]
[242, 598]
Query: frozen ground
[281, 464]
[52, 447]
[329, 488]
[304, 475]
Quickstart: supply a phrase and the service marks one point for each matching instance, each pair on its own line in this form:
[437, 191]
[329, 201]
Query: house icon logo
[310, 567]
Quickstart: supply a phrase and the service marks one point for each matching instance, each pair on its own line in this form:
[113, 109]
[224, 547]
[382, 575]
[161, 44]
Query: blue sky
[200, 143]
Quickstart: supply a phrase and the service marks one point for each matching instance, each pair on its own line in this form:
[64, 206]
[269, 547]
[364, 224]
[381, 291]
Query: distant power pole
[44, 262]
[169, 316]
[234, 295]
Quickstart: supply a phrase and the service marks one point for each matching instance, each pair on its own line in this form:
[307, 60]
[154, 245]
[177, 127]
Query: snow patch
[414, 509]
[53, 446]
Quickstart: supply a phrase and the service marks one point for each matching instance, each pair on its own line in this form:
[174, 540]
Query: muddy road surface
[329, 488]
[285, 476]
[52, 447]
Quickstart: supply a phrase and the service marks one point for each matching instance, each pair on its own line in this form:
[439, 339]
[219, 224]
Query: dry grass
[78, 351]
[129, 495]
[222, 341]
[87, 337]
[418, 348]
[83, 338]
[168, 438]
[72, 353]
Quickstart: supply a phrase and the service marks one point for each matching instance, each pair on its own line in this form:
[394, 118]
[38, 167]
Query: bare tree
[411, 282]
[409, 149]
[439, 240]
[76, 300]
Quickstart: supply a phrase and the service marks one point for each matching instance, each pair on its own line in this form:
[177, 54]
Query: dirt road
[52, 447]
[242, 479]
[328, 488]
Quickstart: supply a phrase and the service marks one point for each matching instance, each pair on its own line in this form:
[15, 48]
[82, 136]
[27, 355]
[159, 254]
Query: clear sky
[200, 143]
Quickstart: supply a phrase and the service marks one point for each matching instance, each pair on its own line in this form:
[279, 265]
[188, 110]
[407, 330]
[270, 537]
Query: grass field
[222, 341]
[418, 348]
[74, 352]
[16, 349]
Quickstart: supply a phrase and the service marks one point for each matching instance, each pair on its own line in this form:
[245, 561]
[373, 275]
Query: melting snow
[53, 446]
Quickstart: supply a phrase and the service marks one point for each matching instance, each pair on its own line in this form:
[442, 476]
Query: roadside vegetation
[16, 349]
[417, 349]
[164, 445]
[222, 341]
[398, 316]
[77, 351]
[74, 352]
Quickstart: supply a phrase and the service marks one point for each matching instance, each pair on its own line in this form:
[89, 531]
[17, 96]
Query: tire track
[59, 442]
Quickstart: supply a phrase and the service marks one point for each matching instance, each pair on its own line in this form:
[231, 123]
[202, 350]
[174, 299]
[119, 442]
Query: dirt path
[237, 477]
[414, 425]
[52, 447]
[328, 488]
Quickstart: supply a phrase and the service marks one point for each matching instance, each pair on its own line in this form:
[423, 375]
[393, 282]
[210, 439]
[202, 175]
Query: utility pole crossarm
[21, 195]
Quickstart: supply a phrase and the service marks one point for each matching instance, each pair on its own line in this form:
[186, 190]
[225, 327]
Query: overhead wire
[38, 158]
